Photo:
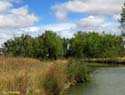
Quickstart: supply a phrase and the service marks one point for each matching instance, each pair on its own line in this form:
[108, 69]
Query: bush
[51, 87]
[54, 80]
[77, 71]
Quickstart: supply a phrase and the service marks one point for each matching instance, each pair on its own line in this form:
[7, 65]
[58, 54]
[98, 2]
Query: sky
[65, 17]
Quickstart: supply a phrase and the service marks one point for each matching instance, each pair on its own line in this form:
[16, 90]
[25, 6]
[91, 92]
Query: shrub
[54, 80]
[51, 86]
[77, 71]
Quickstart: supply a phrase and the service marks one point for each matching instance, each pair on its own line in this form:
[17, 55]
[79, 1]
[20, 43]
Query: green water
[105, 81]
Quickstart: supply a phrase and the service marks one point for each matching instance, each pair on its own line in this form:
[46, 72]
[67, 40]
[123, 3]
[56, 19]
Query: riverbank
[117, 60]
[104, 81]
[26, 76]
[29, 76]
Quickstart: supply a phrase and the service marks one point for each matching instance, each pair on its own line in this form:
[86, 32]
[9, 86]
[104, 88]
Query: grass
[27, 76]
[55, 80]
[117, 60]
[24, 74]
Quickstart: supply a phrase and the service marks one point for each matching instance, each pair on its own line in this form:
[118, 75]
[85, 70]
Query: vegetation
[31, 77]
[77, 71]
[118, 60]
[48, 45]
[54, 81]
[51, 46]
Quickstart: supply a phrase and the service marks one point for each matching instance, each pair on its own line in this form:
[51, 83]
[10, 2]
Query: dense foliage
[94, 45]
[77, 71]
[51, 46]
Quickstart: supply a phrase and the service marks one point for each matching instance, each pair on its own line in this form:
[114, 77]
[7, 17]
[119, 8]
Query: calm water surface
[105, 81]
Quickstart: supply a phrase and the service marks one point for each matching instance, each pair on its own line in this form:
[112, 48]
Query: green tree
[94, 45]
[53, 44]
[19, 46]
[79, 44]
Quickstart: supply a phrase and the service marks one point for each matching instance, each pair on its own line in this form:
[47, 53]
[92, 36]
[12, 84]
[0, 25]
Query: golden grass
[24, 74]
[120, 60]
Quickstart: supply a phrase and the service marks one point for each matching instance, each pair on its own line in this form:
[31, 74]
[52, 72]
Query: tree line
[49, 45]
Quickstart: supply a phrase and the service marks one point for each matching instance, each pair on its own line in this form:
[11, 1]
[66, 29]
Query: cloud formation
[19, 17]
[98, 15]
[4, 5]
[90, 21]
[97, 7]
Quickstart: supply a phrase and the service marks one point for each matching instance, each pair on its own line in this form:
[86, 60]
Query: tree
[94, 45]
[79, 44]
[48, 45]
[19, 46]
[53, 44]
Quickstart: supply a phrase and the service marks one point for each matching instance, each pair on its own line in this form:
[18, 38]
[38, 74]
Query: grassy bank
[26, 76]
[117, 60]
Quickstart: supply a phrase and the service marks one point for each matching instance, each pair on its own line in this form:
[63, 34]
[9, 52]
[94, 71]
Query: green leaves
[51, 46]
[47, 46]
[77, 71]
[95, 45]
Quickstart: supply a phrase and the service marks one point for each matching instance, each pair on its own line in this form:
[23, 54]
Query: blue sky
[65, 17]
[43, 9]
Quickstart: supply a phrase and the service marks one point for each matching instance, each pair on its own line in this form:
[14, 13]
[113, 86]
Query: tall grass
[115, 60]
[25, 74]
[32, 77]
[54, 80]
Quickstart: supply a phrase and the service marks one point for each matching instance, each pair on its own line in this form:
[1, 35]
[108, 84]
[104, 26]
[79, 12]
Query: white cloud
[67, 30]
[17, 18]
[98, 7]
[62, 29]
[20, 11]
[116, 17]
[62, 15]
[110, 28]
[59, 27]
[4, 5]
[6, 33]
[91, 21]
[101, 11]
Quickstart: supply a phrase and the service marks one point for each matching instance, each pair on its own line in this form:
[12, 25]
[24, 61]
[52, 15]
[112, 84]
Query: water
[106, 81]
